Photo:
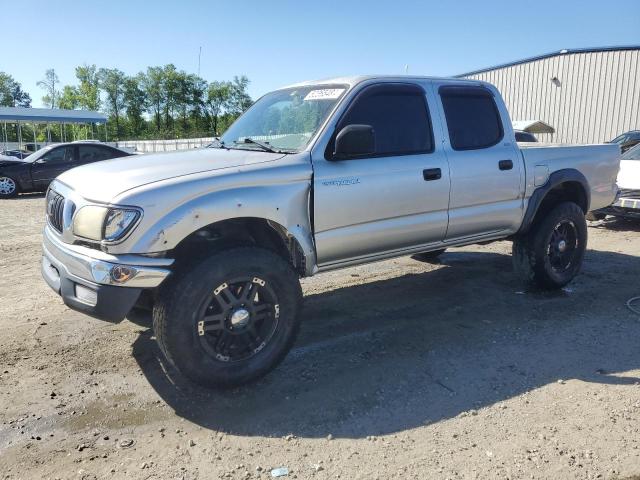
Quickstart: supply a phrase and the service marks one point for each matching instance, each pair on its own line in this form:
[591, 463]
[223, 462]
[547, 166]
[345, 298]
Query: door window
[399, 116]
[58, 156]
[94, 153]
[473, 119]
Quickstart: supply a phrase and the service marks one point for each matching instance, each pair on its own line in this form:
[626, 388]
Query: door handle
[432, 174]
[505, 164]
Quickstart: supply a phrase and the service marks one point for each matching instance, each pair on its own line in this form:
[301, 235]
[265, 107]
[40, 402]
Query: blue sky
[280, 42]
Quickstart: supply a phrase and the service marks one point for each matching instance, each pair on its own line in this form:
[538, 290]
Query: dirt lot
[402, 370]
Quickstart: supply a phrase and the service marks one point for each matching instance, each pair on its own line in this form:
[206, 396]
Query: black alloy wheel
[239, 320]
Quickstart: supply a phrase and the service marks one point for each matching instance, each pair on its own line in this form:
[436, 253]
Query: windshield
[285, 120]
[632, 154]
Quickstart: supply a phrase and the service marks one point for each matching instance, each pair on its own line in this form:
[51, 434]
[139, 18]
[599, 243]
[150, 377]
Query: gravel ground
[402, 370]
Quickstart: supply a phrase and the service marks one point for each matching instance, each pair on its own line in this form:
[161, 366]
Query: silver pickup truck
[313, 177]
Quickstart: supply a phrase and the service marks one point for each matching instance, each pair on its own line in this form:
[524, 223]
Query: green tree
[69, 98]
[135, 101]
[11, 93]
[218, 96]
[239, 100]
[198, 100]
[170, 89]
[89, 87]
[153, 86]
[48, 84]
[112, 81]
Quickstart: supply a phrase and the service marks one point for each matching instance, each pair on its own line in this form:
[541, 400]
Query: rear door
[96, 153]
[486, 167]
[393, 199]
[53, 163]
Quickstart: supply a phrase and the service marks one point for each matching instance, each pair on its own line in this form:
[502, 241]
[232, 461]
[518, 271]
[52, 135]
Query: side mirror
[355, 141]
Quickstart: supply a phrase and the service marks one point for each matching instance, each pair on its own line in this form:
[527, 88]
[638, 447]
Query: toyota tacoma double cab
[313, 177]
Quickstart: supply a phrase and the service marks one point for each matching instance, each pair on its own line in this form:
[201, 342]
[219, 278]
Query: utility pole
[199, 55]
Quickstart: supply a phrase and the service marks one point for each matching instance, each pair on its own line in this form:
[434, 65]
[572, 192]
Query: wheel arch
[238, 232]
[563, 185]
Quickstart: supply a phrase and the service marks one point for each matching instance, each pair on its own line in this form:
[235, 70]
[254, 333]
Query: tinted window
[632, 154]
[94, 153]
[398, 115]
[59, 155]
[472, 117]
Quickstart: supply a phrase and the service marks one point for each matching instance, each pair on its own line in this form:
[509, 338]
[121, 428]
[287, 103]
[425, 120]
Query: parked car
[627, 203]
[35, 172]
[525, 137]
[16, 153]
[313, 177]
[627, 140]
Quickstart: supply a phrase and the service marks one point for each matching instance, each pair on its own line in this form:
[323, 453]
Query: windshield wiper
[265, 146]
[217, 143]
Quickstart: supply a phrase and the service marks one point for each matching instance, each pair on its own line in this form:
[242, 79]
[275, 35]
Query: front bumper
[84, 277]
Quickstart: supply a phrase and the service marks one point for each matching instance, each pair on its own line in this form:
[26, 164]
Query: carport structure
[48, 117]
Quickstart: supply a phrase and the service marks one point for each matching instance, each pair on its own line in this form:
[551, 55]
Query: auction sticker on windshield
[324, 94]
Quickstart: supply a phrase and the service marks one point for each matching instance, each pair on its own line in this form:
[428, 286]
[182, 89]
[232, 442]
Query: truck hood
[103, 181]
[629, 175]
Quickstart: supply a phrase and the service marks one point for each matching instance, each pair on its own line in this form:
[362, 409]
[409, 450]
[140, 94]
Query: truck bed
[599, 164]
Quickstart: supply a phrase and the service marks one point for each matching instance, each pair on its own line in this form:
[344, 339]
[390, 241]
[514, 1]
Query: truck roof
[354, 80]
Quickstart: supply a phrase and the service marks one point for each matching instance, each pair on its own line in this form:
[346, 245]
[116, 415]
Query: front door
[486, 167]
[396, 197]
[51, 164]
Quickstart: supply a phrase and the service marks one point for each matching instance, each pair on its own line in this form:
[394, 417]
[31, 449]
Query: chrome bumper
[86, 279]
[95, 266]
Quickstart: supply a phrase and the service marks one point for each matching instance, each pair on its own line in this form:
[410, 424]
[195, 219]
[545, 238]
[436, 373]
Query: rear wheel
[231, 319]
[8, 187]
[550, 255]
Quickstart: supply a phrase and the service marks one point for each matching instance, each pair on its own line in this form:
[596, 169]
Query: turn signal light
[122, 273]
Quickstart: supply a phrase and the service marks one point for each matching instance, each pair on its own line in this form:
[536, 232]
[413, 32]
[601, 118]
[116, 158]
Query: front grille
[628, 193]
[55, 210]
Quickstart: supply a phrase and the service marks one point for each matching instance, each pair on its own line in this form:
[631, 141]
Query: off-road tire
[180, 303]
[532, 252]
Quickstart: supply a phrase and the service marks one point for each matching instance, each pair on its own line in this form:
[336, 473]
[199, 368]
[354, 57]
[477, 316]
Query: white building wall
[595, 98]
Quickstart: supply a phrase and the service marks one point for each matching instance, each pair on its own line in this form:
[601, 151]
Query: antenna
[199, 55]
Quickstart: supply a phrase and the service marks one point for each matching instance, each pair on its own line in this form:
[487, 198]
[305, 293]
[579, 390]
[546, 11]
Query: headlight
[118, 222]
[88, 222]
[103, 223]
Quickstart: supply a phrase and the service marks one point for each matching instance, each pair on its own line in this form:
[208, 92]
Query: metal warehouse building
[588, 95]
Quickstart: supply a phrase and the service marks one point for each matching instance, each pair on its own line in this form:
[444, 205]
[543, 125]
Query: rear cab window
[472, 116]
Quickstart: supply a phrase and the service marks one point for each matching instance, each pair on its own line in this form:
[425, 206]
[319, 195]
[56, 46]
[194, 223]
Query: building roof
[49, 115]
[533, 126]
[549, 55]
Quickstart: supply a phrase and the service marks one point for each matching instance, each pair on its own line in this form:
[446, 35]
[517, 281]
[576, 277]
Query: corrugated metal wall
[595, 98]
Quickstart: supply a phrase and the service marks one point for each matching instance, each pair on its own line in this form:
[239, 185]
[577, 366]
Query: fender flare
[556, 178]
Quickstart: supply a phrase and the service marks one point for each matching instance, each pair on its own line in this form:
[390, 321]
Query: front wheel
[231, 319]
[550, 255]
[8, 187]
